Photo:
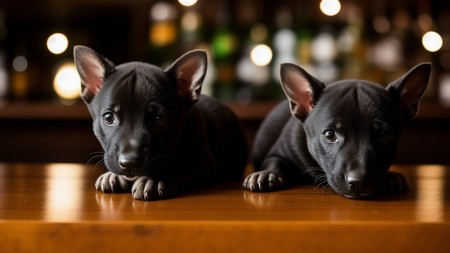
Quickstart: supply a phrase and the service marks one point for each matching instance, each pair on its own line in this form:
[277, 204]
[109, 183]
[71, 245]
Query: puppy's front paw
[146, 188]
[263, 181]
[112, 183]
[396, 183]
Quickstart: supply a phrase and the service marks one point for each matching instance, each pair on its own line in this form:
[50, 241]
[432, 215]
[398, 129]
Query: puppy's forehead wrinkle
[134, 87]
[372, 100]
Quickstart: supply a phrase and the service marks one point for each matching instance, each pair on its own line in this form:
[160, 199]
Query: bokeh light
[425, 22]
[381, 24]
[163, 11]
[67, 82]
[223, 44]
[248, 72]
[432, 41]
[187, 3]
[284, 41]
[163, 33]
[20, 63]
[258, 32]
[387, 53]
[4, 82]
[261, 55]
[330, 7]
[323, 47]
[191, 21]
[57, 43]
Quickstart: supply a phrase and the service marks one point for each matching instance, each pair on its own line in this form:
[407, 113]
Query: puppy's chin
[343, 189]
[358, 195]
[131, 178]
[132, 175]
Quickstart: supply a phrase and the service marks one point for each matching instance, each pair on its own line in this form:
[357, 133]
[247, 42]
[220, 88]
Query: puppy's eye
[109, 118]
[330, 136]
[385, 136]
[160, 119]
[384, 133]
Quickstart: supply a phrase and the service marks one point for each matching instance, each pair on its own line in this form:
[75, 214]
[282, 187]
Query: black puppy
[343, 135]
[160, 136]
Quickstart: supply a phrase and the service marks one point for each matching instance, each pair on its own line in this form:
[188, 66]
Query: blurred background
[43, 119]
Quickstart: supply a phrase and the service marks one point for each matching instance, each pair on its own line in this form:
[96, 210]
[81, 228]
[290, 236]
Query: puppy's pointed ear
[301, 89]
[409, 88]
[92, 68]
[188, 72]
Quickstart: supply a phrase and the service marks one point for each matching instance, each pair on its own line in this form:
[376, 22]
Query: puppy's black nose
[356, 184]
[127, 164]
[128, 155]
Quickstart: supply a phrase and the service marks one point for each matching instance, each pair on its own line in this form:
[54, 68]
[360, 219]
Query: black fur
[160, 136]
[343, 135]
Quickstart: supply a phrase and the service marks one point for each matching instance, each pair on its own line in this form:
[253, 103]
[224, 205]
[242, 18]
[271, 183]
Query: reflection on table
[41, 201]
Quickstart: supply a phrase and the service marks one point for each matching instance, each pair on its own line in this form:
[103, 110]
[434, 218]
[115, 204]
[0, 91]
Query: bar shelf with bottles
[246, 42]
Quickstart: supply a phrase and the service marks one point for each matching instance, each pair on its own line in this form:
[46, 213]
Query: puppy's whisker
[99, 164]
[328, 189]
[312, 170]
[321, 182]
[95, 156]
[98, 157]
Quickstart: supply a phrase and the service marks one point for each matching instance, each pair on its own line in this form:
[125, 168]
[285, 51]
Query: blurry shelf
[247, 112]
[433, 111]
[253, 111]
[52, 111]
[42, 111]
[49, 132]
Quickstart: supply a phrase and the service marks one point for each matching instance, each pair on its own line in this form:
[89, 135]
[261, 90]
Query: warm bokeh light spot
[432, 41]
[187, 3]
[190, 21]
[57, 43]
[163, 33]
[67, 82]
[330, 7]
[261, 55]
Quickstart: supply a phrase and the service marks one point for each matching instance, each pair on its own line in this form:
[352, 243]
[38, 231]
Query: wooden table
[54, 208]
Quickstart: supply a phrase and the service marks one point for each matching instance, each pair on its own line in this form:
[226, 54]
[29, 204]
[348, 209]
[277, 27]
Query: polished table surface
[55, 208]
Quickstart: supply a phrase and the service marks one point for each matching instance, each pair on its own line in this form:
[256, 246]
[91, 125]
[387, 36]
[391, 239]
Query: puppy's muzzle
[358, 185]
[127, 163]
[129, 157]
